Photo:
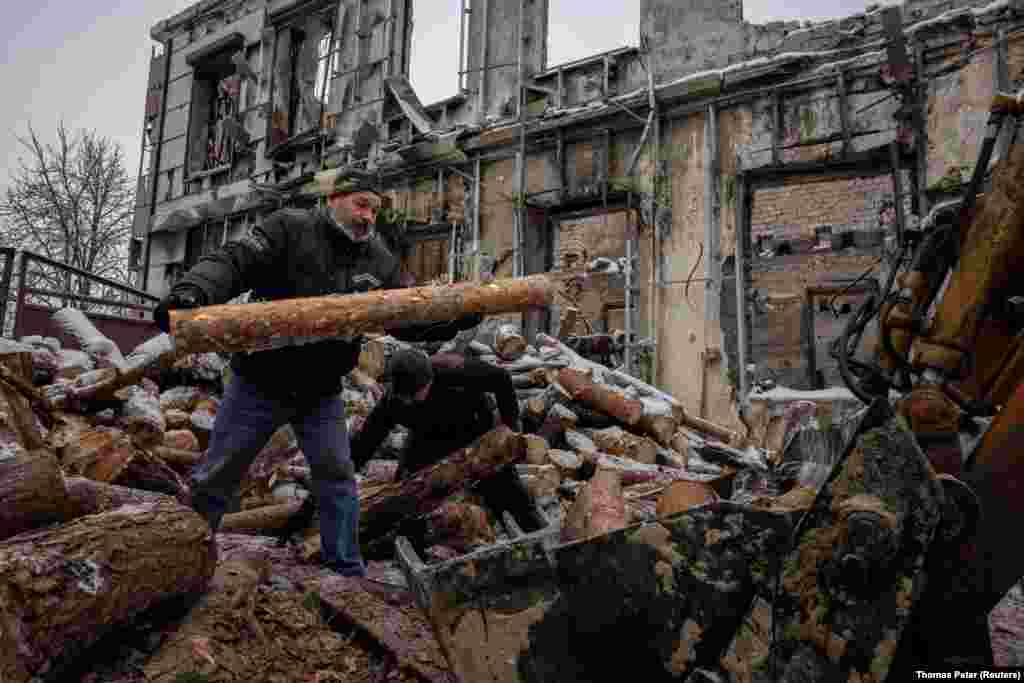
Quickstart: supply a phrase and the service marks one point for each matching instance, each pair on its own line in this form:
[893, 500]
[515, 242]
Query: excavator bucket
[719, 592]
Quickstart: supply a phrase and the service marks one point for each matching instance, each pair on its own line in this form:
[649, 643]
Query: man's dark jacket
[296, 254]
[455, 412]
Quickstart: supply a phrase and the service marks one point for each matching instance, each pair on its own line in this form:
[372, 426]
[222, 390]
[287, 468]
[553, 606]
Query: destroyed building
[791, 153]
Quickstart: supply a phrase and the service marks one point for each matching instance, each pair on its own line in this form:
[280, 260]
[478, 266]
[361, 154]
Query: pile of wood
[91, 529]
[96, 446]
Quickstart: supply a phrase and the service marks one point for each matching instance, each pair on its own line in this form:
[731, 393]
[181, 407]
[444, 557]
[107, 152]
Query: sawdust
[247, 628]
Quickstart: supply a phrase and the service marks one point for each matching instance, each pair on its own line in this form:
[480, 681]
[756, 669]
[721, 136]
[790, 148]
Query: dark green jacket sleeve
[239, 264]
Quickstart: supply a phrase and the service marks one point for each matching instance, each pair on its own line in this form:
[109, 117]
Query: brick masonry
[794, 210]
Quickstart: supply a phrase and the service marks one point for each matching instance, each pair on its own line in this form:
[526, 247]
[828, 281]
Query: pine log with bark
[63, 588]
[151, 474]
[585, 389]
[384, 506]
[661, 427]
[617, 441]
[90, 497]
[268, 519]
[250, 326]
[31, 492]
[19, 426]
[509, 343]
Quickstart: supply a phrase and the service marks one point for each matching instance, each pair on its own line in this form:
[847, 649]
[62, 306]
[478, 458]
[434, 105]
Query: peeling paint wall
[680, 317]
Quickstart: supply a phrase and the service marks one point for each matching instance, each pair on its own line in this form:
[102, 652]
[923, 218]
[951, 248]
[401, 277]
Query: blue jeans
[246, 420]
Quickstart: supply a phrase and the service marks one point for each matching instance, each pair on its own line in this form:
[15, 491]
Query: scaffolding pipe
[742, 228]
[520, 222]
[711, 213]
[476, 216]
[482, 85]
[462, 45]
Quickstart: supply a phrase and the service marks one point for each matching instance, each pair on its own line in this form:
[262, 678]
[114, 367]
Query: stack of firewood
[96, 448]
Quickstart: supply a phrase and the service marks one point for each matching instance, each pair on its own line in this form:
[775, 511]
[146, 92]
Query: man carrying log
[296, 254]
[442, 401]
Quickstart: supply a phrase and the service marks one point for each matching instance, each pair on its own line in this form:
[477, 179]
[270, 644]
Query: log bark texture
[427, 489]
[19, 427]
[31, 492]
[261, 520]
[618, 441]
[661, 427]
[250, 326]
[61, 589]
[509, 344]
[599, 508]
[89, 497]
[101, 453]
[384, 506]
[683, 495]
[583, 388]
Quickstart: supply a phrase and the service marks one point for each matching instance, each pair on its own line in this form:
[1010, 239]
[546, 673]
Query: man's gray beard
[346, 230]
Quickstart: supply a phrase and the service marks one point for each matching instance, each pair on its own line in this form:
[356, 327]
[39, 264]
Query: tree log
[509, 344]
[583, 388]
[726, 436]
[618, 441]
[251, 326]
[19, 427]
[384, 506]
[661, 427]
[581, 363]
[683, 495]
[61, 589]
[260, 520]
[427, 489]
[177, 456]
[89, 497]
[150, 474]
[31, 492]
[101, 453]
[103, 351]
[599, 508]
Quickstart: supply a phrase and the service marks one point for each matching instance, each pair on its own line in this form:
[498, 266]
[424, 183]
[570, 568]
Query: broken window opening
[305, 71]
[215, 129]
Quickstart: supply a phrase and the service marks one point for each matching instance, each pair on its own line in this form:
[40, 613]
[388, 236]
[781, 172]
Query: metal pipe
[22, 271]
[390, 40]
[462, 45]
[359, 51]
[711, 209]
[476, 215]
[741, 288]
[155, 165]
[482, 85]
[8, 254]
[517, 256]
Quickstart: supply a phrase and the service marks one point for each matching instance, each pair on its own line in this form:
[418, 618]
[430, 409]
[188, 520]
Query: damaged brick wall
[792, 212]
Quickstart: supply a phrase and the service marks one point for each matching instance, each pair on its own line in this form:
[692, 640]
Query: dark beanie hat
[409, 370]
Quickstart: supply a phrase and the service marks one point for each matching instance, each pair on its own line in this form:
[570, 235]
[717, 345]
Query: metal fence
[119, 311]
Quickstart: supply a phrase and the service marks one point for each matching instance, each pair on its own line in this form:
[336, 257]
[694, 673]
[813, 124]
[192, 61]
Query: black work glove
[187, 296]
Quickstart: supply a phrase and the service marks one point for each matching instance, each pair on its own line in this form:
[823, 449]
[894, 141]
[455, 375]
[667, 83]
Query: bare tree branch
[71, 201]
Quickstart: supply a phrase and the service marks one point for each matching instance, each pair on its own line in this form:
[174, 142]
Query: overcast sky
[86, 61]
